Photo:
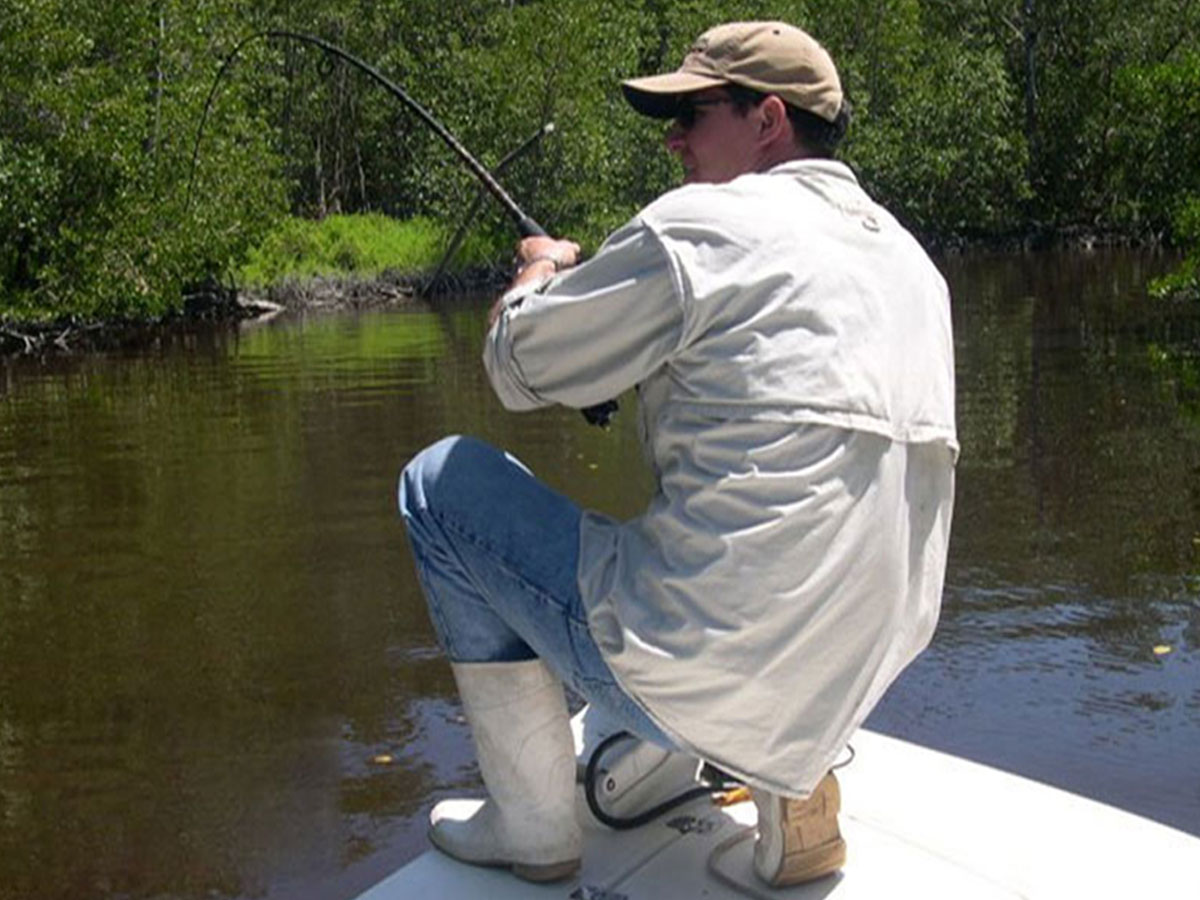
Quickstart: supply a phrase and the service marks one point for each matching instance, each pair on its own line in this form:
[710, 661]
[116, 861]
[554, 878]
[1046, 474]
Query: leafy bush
[1184, 281]
[1157, 144]
[98, 103]
[947, 157]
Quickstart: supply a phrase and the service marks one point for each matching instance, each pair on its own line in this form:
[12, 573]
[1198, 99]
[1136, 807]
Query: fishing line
[526, 226]
[461, 231]
[601, 413]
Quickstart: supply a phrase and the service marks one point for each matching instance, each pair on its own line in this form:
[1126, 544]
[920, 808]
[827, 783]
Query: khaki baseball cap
[772, 57]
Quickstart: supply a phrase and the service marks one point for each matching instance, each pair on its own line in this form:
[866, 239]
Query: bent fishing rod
[480, 195]
[526, 226]
[601, 413]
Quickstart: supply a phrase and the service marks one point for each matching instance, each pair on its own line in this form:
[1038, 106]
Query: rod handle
[526, 227]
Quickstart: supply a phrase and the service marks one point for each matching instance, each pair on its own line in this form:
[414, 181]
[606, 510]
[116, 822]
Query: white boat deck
[917, 823]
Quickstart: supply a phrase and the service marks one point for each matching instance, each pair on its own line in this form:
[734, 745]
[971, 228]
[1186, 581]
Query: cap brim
[657, 96]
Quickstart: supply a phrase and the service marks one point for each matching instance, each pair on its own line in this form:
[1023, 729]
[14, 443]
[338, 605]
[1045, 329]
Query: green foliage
[1184, 282]
[1157, 145]
[977, 118]
[1084, 123]
[97, 105]
[968, 176]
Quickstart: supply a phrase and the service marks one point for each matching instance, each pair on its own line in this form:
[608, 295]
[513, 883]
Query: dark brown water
[216, 674]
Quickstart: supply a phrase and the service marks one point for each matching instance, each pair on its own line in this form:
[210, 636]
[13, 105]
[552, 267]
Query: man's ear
[773, 120]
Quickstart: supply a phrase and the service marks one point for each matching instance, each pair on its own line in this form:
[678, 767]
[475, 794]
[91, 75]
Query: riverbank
[370, 262]
[341, 262]
[221, 304]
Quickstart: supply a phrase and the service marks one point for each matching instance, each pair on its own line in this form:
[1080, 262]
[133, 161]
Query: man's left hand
[538, 257]
[547, 251]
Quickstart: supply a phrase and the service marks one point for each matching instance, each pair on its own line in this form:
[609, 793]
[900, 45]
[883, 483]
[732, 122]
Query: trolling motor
[526, 226]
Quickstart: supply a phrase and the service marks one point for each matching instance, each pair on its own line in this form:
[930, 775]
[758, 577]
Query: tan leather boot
[799, 840]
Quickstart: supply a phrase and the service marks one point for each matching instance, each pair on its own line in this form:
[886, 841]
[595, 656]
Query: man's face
[714, 142]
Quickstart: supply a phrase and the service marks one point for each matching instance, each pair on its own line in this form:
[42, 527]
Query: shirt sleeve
[590, 333]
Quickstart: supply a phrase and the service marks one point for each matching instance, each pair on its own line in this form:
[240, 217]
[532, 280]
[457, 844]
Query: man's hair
[820, 137]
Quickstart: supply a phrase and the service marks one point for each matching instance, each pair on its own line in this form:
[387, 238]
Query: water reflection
[1075, 541]
[216, 674]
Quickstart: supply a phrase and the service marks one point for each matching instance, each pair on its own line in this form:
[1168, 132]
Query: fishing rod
[461, 232]
[526, 226]
[601, 413]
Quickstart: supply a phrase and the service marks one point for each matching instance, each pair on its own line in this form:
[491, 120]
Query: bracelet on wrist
[542, 257]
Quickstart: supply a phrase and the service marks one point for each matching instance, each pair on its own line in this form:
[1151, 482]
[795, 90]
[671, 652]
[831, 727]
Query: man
[791, 347]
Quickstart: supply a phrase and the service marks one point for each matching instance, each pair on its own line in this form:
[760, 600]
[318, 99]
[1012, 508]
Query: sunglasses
[687, 111]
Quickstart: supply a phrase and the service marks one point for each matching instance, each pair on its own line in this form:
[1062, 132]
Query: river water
[217, 678]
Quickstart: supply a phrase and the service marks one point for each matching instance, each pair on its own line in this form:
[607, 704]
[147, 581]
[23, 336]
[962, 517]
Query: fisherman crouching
[791, 347]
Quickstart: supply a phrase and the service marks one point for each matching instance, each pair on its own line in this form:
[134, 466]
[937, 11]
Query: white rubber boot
[518, 716]
[635, 775]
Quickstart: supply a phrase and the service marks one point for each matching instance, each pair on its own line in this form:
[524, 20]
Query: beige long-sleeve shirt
[792, 350]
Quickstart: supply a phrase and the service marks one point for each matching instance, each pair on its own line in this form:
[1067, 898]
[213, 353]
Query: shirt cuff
[503, 371]
[514, 296]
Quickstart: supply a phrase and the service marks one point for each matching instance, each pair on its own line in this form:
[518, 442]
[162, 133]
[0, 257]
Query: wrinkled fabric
[504, 588]
[792, 349]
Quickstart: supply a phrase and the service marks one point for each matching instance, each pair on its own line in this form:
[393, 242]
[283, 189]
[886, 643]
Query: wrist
[542, 259]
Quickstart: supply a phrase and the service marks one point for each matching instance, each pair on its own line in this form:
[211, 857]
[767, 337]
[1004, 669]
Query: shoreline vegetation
[342, 262]
[360, 262]
[1011, 124]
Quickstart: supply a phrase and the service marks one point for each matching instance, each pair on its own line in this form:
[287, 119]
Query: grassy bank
[359, 247]
[340, 261]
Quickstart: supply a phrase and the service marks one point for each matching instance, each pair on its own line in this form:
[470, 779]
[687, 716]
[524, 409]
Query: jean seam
[502, 561]
[442, 624]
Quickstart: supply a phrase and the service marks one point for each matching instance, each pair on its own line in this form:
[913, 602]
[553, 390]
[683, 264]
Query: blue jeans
[496, 552]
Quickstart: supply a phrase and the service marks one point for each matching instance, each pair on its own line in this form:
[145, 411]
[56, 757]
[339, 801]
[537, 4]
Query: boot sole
[545, 873]
[809, 865]
[535, 872]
